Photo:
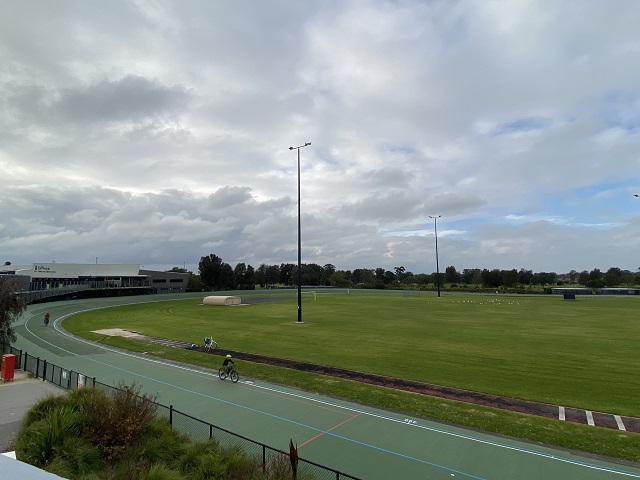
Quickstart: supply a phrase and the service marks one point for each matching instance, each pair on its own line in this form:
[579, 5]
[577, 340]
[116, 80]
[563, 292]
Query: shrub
[162, 472]
[35, 444]
[116, 421]
[43, 408]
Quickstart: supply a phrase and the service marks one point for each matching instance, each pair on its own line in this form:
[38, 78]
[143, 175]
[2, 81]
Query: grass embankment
[573, 353]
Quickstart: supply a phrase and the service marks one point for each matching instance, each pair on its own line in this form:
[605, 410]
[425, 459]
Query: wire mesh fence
[271, 461]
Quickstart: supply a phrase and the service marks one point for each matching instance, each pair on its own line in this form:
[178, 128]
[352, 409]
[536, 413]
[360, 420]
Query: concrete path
[16, 398]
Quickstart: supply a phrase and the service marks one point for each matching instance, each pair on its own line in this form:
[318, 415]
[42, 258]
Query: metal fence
[271, 458]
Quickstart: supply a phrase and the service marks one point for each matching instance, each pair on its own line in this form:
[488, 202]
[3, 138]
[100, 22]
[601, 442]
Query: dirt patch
[117, 332]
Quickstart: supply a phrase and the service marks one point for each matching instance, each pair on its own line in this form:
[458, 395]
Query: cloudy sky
[157, 132]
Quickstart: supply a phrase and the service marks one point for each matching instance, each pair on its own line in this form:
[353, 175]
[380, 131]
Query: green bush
[35, 443]
[92, 435]
[116, 421]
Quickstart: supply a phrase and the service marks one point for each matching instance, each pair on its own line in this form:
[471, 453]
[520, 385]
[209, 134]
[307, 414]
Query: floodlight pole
[299, 238]
[435, 228]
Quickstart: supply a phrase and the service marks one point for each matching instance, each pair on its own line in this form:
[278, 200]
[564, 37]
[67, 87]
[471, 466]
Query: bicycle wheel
[221, 374]
[234, 376]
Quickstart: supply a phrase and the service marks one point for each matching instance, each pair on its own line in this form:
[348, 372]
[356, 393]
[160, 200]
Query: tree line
[216, 274]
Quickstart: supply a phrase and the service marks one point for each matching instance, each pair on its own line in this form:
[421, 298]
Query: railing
[196, 429]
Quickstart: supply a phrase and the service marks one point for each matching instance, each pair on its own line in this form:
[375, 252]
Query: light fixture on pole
[435, 228]
[299, 238]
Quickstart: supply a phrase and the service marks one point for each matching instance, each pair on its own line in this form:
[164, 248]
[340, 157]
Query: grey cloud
[130, 98]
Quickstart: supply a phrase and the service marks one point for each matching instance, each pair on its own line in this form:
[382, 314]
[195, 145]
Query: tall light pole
[299, 238]
[435, 227]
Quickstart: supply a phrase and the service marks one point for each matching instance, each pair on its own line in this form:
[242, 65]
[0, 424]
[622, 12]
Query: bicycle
[231, 373]
[210, 343]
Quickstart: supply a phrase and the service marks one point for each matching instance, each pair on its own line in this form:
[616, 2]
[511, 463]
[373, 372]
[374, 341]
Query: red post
[8, 366]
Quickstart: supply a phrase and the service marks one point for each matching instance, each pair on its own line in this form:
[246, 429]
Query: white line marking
[561, 413]
[590, 418]
[620, 423]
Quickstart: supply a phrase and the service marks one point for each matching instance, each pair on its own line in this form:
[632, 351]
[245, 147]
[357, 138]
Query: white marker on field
[590, 418]
[620, 423]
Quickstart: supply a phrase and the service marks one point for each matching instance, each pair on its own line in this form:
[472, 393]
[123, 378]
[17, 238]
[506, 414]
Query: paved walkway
[17, 397]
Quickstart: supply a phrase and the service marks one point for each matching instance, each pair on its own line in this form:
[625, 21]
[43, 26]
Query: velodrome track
[359, 440]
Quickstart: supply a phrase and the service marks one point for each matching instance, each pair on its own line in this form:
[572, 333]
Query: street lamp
[435, 227]
[299, 238]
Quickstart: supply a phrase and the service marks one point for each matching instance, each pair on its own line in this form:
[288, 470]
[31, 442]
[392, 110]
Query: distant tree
[327, 271]
[525, 276]
[227, 278]
[595, 274]
[573, 275]
[399, 271]
[239, 274]
[389, 277]
[340, 279]
[285, 274]
[250, 278]
[272, 274]
[7, 264]
[178, 270]
[544, 278]
[583, 278]
[195, 284]
[467, 275]
[11, 307]
[613, 277]
[510, 278]
[261, 275]
[210, 269]
[491, 278]
[451, 275]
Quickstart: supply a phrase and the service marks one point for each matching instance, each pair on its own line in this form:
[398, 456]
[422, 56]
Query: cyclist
[226, 363]
[46, 318]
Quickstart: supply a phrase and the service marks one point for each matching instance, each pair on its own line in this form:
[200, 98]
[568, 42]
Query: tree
[327, 271]
[509, 277]
[451, 275]
[210, 269]
[179, 270]
[240, 273]
[11, 307]
[272, 274]
[613, 277]
[583, 278]
[399, 271]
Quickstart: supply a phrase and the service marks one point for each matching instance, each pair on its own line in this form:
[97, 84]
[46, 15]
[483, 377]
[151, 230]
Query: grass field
[579, 353]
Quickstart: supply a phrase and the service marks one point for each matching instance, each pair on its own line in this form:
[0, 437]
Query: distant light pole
[299, 238]
[435, 227]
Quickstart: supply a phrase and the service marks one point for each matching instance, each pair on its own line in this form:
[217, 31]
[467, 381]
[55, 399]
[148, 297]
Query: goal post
[308, 296]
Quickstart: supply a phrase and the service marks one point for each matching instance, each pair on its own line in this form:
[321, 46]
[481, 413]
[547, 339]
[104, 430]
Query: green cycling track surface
[356, 439]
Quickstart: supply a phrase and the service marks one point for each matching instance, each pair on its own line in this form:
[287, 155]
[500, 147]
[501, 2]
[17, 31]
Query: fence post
[210, 431]
[37, 366]
[25, 361]
[44, 371]
[69, 380]
[171, 415]
[94, 382]
[264, 458]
